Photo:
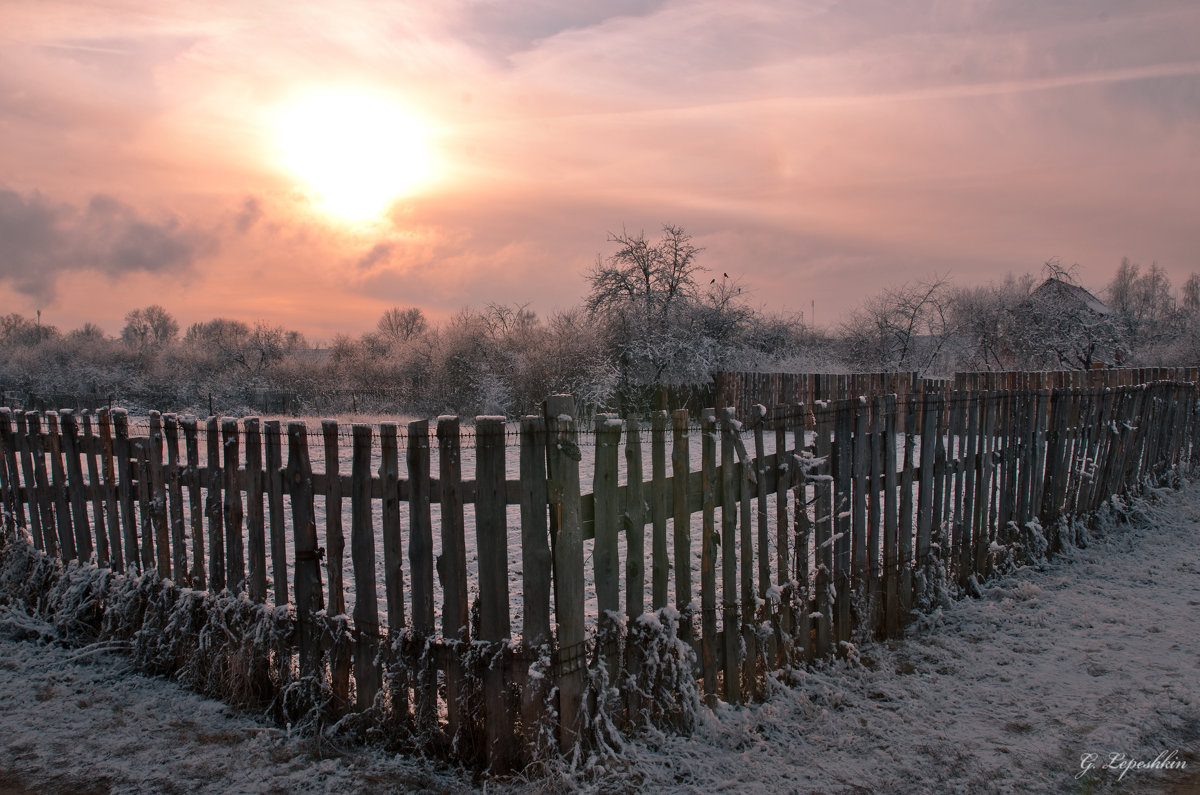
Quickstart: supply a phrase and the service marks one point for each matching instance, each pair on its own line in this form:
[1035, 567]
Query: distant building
[1054, 289]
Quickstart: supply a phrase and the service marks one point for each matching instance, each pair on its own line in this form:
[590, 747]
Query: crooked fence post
[308, 569]
[566, 526]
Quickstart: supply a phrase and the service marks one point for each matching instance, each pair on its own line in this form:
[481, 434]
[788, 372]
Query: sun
[355, 152]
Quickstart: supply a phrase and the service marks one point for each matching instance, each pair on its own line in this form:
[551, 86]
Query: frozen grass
[1094, 653]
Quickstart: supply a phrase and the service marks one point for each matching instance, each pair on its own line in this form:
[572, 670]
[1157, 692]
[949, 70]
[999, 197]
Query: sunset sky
[312, 164]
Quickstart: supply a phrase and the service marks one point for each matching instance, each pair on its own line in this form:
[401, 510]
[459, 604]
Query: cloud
[44, 240]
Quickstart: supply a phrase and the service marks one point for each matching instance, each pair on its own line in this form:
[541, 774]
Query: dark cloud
[379, 253]
[248, 216]
[40, 240]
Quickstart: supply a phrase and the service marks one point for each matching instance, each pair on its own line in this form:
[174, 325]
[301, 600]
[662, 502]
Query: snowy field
[1038, 687]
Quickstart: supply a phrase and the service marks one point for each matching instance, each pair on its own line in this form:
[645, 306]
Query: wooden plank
[235, 548]
[393, 556]
[452, 568]
[860, 470]
[191, 478]
[758, 423]
[393, 541]
[140, 449]
[158, 497]
[537, 566]
[635, 523]
[362, 553]
[213, 507]
[491, 527]
[938, 525]
[891, 520]
[420, 560]
[874, 512]
[179, 562]
[955, 474]
[274, 488]
[984, 505]
[10, 475]
[905, 539]
[309, 600]
[335, 540]
[681, 522]
[660, 563]
[566, 528]
[823, 527]
[608, 528]
[58, 485]
[843, 462]
[929, 419]
[116, 557]
[784, 478]
[33, 491]
[708, 554]
[730, 626]
[76, 488]
[256, 531]
[746, 485]
[969, 476]
[802, 623]
[90, 447]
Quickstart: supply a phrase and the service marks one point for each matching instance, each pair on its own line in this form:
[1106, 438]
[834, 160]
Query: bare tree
[902, 328]
[151, 326]
[401, 325]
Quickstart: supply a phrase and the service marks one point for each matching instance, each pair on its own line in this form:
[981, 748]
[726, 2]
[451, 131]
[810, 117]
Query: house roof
[1057, 288]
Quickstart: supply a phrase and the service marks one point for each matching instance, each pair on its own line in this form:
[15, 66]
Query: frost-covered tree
[149, 327]
[900, 328]
[401, 325]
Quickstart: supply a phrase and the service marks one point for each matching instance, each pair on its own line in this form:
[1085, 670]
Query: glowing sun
[356, 153]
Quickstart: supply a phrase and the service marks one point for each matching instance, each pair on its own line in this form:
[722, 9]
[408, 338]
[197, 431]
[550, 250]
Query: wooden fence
[806, 539]
[742, 390]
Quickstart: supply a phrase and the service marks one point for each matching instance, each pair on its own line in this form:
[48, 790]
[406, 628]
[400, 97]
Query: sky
[198, 155]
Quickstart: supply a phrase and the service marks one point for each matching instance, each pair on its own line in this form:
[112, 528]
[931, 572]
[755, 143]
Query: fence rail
[737, 548]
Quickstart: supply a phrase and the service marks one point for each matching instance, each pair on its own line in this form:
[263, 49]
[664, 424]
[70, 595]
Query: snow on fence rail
[838, 520]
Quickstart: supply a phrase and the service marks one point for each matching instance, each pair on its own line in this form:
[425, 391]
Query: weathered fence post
[393, 565]
[362, 552]
[256, 531]
[309, 600]
[235, 551]
[452, 568]
[113, 506]
[491, 528]
[191, 476]
[659, 561]
[710, 542]
[75, 486]
[213, 507]
[536, 569]
[175, 492]
[420, 559]
[681, 523]
[274, 486]
[566, 529]
[24, 436]
[66, 535]
[158, 497]
[607, 530]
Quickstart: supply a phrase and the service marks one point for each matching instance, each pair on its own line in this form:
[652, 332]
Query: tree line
[654, 316]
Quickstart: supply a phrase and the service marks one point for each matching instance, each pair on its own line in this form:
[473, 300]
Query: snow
[1070, 677]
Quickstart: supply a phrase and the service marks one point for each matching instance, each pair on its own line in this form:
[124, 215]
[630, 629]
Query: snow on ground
[1095, 654]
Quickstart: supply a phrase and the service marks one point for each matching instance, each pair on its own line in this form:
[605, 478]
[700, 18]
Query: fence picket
[58, 486]
[75, 486]
[362, 553]
[213, 507]
[175, 493]
[659, 561]
[256, 531]
[191, 478]
[491, 527]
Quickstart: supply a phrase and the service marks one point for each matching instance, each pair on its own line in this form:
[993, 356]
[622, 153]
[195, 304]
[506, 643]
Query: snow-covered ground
[1039, 686]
